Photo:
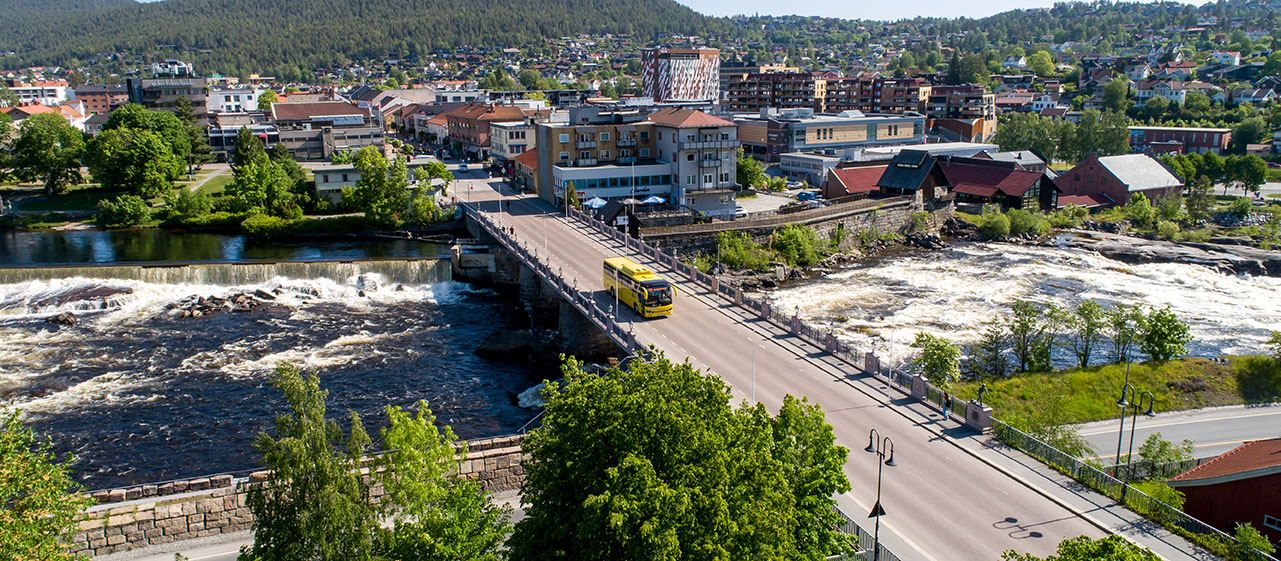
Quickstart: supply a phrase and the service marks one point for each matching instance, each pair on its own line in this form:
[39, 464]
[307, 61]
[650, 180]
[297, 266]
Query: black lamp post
[1134, 420]
[879, 446]
[1120, 433]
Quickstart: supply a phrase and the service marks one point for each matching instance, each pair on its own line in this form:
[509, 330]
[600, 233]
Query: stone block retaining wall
[148, 515]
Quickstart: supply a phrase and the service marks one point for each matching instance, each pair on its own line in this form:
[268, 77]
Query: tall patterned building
[680, 74]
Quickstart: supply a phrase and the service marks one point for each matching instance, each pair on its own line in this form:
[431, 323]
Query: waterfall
[400, 271]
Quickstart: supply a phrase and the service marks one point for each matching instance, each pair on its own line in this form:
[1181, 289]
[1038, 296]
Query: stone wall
[148, 515]
[894, 217]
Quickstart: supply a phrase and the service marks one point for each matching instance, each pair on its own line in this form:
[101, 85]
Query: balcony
[708, 145]
[627, 160]
[585, 162]
[626, 142]
[709, 163]
[586, 144]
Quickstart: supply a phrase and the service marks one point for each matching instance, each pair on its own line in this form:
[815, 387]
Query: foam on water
[953, 292]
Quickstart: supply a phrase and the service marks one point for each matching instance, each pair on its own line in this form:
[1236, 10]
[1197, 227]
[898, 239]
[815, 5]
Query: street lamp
[1120, 433]
[879, 446]
[1134, 420]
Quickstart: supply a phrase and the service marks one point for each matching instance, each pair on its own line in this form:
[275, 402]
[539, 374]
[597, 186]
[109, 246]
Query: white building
[232, 100]
[810, 168]
[40, 93]
[510, 139]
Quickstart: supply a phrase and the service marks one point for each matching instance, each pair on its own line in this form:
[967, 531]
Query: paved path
[1212, 431]
[952, 496]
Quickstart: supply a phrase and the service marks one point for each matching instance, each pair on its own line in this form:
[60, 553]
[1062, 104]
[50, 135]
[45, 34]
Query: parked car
[462, 168]
[807, 196]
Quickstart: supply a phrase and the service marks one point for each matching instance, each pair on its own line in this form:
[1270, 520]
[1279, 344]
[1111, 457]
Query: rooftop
[295, 111]
[1252, 459]
[1140, 172]
[680, 118]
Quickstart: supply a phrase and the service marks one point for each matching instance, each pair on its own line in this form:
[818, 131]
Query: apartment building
[315, 130]
[1179, 140]
[232, 99]
[730, 70]
[469, 125]
[967, 111]
[101, 99]
[683, 155]
[50, 92]
[510, 139]
[783, 90]
[164, 93]
[775, 132]
[680, 74]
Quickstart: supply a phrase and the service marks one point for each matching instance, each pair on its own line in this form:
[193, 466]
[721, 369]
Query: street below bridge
[944, 500]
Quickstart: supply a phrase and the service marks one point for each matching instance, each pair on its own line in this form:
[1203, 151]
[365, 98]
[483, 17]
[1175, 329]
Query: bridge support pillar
[580, 337]
[919, 388]
[978, 416]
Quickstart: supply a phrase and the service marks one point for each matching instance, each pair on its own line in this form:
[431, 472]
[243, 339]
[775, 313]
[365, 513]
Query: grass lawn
[1274, 175]
[1090, 394]
[217, 185]
[81, 198]
[968, 218]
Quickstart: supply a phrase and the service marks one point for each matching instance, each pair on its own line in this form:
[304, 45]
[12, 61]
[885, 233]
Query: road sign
[876, 511]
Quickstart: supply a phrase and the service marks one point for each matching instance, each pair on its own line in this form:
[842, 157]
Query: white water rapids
[953, 292]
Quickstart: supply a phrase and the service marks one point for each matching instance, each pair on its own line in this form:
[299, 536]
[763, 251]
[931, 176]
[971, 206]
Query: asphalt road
[1212, 431]
[943, 503]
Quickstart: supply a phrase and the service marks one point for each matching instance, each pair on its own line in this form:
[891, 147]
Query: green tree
[382, 192]
[750, 171]
[266, 99]
[262, 187]
[1253, 130]
[1041, 63]
[993, 223]
[1214, 167]
[1156, 450]
[1029, 131]
[48, 150]
[1116, 96]
[1111, 548]
[1139, 210]
[164, 124]
[1026, 326]
[1088, 325]
[190, 204]
[42, 503]
[1247, 172]
[1124, 323]
[124, 211]
[1155, 107]
[529, 78]
[248, 148]
[201, 152]
[939, 360]
[1248, 539]
[439, 514]
[987, 356]
[314, 504]
[652, 462]
[1106, 133]
[1274, 345]
[137, 161]
[1170, 207]
[1164, 336]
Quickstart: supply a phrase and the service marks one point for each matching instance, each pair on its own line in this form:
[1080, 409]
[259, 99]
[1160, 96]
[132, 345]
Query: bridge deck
[943, 503]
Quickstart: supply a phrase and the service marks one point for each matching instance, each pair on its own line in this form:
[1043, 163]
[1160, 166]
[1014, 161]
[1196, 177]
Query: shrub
[1023, 222]
[739, 251]
[920, 221]
[993, 223]
[1069, 216]
[266, 226]
[798, 245]
[190, 204]
[1241, 207]
[124, 211]
[1167, 230]
[1139, 210]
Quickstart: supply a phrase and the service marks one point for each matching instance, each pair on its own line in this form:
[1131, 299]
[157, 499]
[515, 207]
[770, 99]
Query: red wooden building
[1243, 485]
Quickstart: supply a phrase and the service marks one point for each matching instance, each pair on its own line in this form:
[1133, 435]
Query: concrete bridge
[954, 494]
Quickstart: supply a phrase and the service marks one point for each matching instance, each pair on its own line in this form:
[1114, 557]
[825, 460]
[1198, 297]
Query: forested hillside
[9, 7]
[236, 36]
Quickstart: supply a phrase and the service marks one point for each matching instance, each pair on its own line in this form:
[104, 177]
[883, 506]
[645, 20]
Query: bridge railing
[542, 266]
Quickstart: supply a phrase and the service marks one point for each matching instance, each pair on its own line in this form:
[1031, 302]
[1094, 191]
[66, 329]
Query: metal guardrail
[865, 542]
[1137, 500]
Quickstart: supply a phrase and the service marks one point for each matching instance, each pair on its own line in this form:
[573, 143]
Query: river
[882, 304]
[140, 393]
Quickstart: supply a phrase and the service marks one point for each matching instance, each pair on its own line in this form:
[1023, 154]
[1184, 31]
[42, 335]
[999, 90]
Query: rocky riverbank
[1132, 249]
[780, 273]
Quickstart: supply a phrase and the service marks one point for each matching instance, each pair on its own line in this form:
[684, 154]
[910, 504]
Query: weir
[411, 271]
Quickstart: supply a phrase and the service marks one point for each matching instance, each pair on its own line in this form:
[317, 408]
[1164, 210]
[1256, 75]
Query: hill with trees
[8, 7]
[242, 36]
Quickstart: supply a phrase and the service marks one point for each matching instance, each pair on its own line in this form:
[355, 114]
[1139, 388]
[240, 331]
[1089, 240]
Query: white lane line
[1185, 422]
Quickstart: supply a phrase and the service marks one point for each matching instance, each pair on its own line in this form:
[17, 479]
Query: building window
[724, 177]
[604, 154]
[1272, 522]
[564, 155]
[564, 138]
[584, 155]
[604, 137]
[324, 178]
[344, 178]
[689, 157]
[689, 179]
[660, 135]
[644, 135]
[707, 178]
[644, 152]
[724, 136]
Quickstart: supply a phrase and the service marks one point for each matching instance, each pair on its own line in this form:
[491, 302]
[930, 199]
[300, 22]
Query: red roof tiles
[858, 179]
[674, 117]
[1263, 456]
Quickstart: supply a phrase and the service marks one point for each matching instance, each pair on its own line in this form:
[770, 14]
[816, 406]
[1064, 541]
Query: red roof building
[857, 180]
[1243, 485]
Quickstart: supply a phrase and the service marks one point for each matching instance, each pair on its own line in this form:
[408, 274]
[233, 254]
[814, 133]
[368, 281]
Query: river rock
[925, 240]
[507, 344]
[1131, 249]
[64, 319]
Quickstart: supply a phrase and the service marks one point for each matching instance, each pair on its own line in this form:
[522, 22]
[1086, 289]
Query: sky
[868, 9]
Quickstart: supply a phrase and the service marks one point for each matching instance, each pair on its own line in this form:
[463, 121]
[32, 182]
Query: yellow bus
[638, 288]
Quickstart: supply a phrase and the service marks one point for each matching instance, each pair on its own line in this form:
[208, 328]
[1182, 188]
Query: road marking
[1206, 445]
[1185, 422]
[918, 549]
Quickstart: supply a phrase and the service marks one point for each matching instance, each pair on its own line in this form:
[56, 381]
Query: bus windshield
[658, 294]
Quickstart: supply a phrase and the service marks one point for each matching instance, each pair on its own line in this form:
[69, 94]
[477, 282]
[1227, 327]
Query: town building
[1110, 180]
[683, 155]
[730, 69]
[173, 68]
[469, 126]
[510, 139]
[973, 181]
[783, 90]
[680, 74]
[46, 92]
[1173, 90]
[1238, 487]
[315, 131]
[164, 93]
[101, 99]
[811, 168]
[964, 113]
[1179, 140]
[331, 179]
[775, 132]
[853, 180]
[232, 99]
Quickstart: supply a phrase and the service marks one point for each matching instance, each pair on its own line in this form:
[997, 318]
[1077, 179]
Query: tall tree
[652, 462]
[135, 160]
[750, 171]
[266, 99]
[1115, 95]
[1111, 548]
[1088, 323]
[248, 148]
[48, 149]
[163, 123]
[201, 153]
[41, 502]
[314, 504]
[382, 192]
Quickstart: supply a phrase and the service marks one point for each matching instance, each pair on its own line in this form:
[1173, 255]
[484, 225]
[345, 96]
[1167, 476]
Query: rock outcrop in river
[1130, 249]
